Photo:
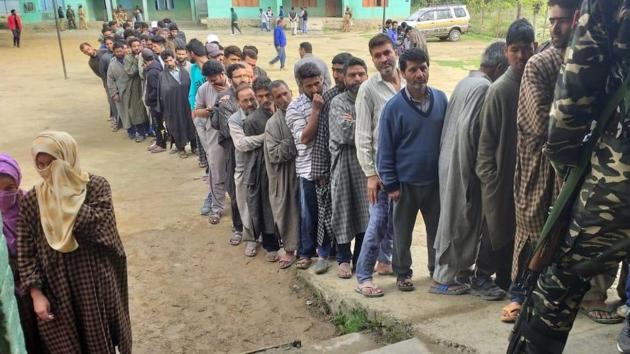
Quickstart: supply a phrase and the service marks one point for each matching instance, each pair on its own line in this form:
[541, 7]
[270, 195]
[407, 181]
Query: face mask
[7, 199]
[45, 173]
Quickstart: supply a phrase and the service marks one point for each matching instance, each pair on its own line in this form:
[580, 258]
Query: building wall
[396, 9]
[221, 8]
[40, 14]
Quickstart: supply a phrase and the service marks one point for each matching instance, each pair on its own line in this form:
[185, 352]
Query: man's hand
[116, 98]
[395, 195]
[373, 185]
[347, 117]
[318, 102]
[323, 182]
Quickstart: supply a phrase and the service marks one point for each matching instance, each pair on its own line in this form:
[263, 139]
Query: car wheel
[454, 35]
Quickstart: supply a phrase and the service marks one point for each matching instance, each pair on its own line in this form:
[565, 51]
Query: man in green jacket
[234, 22]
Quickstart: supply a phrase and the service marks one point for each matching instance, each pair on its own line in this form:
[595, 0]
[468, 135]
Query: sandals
[510, 312]
[592, 313]
[405, 284]
[304, 263]
[384, 269]
[287, 262]
[369, 290]
[344, 271]
[250, 249]
[272, 257]
[236, 238]
[448, 289]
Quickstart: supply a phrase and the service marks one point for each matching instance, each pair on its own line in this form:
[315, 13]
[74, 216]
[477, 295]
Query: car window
[427, 16]
[444, 14]
[413, 17]
[459, 12]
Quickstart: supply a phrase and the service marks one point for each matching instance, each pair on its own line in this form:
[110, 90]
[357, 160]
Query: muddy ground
[190, 291]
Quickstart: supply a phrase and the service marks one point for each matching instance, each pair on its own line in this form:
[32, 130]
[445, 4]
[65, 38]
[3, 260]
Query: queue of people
[336, 173]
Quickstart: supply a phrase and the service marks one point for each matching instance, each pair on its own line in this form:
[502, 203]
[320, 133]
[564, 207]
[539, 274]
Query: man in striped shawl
[348, 184]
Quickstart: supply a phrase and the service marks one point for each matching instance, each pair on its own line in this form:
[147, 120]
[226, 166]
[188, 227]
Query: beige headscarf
[62, 191]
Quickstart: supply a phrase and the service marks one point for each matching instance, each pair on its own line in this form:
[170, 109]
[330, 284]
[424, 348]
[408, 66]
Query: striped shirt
[298, 114]
[372, 96]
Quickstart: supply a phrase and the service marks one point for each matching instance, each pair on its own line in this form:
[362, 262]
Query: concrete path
[446, 324]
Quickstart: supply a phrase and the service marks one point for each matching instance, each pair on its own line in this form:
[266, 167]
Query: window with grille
[245, 3]
[163, 5]
[304, 3]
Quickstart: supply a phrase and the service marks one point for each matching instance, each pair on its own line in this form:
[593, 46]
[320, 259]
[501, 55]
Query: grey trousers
[209, 139]
[241, 201]
[414, 198]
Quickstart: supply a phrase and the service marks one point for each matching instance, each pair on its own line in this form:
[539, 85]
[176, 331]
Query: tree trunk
[519, 10]
[481, 25]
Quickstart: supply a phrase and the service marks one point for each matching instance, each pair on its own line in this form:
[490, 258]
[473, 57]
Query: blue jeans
[282, 56]
[308, 222]
[264, 26]
[305, 26]
[378, 239]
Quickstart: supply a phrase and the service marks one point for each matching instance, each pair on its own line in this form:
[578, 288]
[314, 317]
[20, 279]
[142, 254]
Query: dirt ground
[190, 291]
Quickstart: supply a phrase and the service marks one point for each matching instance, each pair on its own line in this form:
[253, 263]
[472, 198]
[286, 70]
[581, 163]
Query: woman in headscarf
[70, 256]
[10, 198]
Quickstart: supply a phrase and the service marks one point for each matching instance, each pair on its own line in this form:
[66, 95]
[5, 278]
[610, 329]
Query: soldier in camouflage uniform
[595, 66]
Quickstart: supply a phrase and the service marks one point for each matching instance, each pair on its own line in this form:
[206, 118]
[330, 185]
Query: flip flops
[510, 312]
[304, 263]
[405, 284]
[369, 290]
[591, 311]
[287, 263]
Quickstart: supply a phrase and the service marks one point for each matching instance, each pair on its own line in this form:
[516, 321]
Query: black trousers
[499, 262]
[16, 37]
[160, 132]
[235, 25]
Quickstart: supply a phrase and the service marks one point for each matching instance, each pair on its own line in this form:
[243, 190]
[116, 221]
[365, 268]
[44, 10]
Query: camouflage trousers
[600, 219]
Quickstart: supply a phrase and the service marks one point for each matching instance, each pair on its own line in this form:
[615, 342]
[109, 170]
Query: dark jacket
[152, 75]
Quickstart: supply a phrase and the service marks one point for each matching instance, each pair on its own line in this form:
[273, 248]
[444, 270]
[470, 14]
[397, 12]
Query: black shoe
[486, 289]
[623, 340]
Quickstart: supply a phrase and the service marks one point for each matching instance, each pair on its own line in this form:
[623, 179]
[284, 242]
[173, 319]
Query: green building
[33, 11]
[361, 9]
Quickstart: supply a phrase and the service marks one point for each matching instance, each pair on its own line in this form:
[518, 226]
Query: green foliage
[355, 321]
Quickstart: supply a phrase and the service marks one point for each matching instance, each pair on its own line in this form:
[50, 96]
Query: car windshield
[416, 16]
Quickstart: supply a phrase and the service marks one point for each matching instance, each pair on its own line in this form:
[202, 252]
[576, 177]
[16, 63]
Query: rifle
[557, 222]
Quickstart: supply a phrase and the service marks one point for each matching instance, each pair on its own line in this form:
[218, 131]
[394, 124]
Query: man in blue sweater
[407, 160]
[280, 42]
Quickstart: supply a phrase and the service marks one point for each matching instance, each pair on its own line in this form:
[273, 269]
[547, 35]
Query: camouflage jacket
[595, 65]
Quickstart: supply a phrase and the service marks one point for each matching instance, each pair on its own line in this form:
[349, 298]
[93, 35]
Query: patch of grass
[458, 64]
[355, 321]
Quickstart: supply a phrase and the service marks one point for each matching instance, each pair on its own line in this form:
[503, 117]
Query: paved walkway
[464, 324]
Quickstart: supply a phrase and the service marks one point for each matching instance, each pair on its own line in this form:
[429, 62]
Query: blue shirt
[279, 39]
[196, 80]
[409, 140]
[393, 34]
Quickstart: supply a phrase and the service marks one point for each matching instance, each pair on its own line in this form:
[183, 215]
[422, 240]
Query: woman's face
[7, 183]
[43, 160]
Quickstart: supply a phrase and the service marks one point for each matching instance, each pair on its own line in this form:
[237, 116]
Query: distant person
[71, 259]
[294, 21]
[233, 55]
[306, 56]
[173, 88]
[264, 21]
[347, 19]
[152, 70]
[281, 12]
[61, 16]
[234, 21]
[15, 25]
[415, 39]
[304, 20]
[269, 14]
[138, 15]
[82, 15]
[117, 80]
[70, 16]
[280, 42]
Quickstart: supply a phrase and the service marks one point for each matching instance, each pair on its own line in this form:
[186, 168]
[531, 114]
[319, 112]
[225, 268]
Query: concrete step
[409, 346]
[353, 343]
